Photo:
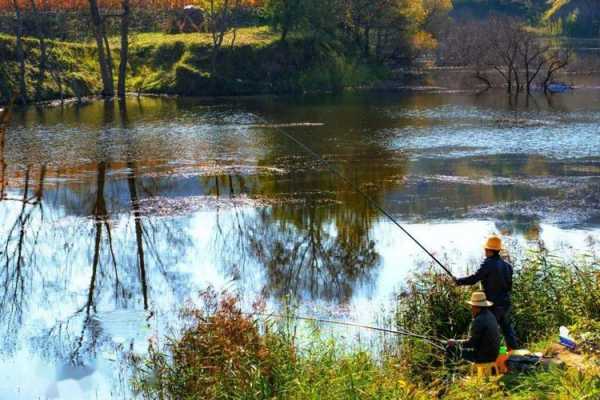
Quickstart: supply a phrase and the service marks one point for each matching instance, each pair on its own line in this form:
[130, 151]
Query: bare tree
[104, 56]
[41, 36]
[505, 47]
[463, 46]
[557, 60]
[20, 52]
[533, 58]
[220, 19]
[504, 42]
[124, 52]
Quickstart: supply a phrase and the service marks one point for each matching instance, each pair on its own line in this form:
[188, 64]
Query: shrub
[548, 293]
[220, 355]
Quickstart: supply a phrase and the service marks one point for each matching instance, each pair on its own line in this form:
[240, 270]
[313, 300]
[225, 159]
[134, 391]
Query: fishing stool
[484, 369]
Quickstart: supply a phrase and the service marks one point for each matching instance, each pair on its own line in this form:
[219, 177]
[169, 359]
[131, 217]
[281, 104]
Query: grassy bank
[71, 71]
[222, 353]
[253, 61]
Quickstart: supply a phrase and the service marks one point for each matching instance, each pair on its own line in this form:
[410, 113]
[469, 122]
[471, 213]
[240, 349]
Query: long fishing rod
[365, 195]
[431, 340]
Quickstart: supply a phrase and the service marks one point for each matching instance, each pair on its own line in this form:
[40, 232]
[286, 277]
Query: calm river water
[114, 215]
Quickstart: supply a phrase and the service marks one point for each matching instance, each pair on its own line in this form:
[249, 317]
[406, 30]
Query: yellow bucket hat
[493, 243]
[478, 299]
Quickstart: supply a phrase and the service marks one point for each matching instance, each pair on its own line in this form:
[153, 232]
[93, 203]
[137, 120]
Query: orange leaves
[221, 347]
[69, 5]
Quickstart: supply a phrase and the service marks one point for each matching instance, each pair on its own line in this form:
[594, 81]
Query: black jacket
[484, 340]
[495, 274]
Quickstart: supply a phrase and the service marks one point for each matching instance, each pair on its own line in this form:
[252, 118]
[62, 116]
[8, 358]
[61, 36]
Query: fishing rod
[435, 342]
[365, 195]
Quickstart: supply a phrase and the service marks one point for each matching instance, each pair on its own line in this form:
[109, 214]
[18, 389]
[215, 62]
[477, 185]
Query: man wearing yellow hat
[495, 275]
[483, 343]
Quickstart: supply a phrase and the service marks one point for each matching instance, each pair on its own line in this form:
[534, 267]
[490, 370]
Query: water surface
[113, 215]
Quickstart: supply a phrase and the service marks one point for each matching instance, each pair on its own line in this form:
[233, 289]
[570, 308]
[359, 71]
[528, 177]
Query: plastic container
[566, 339]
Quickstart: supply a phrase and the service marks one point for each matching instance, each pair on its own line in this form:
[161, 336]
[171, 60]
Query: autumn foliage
[71, 5]
[221, 352]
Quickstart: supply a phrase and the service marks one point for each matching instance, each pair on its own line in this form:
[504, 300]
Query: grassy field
[253, 36]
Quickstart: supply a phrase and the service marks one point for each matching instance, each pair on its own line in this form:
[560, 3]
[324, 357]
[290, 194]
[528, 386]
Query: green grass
[182, 65]
[72, 69]
[253, 36]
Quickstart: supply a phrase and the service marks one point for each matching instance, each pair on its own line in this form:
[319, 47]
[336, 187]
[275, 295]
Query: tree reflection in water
[119, 274]
[17, 254]
[4, 120]
[314, 242]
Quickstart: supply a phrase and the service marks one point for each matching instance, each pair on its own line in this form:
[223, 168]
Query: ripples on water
[113, 216]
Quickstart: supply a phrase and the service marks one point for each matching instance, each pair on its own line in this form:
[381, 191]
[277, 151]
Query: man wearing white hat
[495, 276]
[483, 343]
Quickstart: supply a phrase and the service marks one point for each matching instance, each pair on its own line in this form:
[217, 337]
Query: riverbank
[225, 353]
[254, 61]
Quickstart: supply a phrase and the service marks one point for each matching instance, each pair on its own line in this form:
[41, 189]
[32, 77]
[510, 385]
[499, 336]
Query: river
[114, 215]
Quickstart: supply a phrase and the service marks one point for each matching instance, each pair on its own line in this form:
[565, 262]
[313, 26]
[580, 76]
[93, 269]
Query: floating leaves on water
[164, 206]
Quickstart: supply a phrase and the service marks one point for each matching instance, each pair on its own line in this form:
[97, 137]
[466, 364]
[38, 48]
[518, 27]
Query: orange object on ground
[501, 363]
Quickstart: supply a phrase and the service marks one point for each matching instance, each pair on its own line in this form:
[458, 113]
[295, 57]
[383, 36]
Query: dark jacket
[496, 277]
[484, 340]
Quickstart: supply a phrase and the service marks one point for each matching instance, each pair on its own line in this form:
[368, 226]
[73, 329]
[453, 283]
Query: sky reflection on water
[114, 215]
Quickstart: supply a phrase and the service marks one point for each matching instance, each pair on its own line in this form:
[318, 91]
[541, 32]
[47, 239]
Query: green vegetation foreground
[223, 353]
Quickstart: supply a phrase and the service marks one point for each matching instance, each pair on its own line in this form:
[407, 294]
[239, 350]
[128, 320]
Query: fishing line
[365, 195]
[435, 342]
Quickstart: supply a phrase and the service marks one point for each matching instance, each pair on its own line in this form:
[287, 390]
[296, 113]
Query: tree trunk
[122, 87]
[20, 53]
[104, 58]
[40, 33]
[517, 80]
[109, 59]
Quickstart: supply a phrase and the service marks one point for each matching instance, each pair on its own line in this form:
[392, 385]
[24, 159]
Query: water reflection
[18, 253]
[3, 123]
[115, 213]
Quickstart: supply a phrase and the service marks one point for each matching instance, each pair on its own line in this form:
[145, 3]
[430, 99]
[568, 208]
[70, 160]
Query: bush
[220, 355]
